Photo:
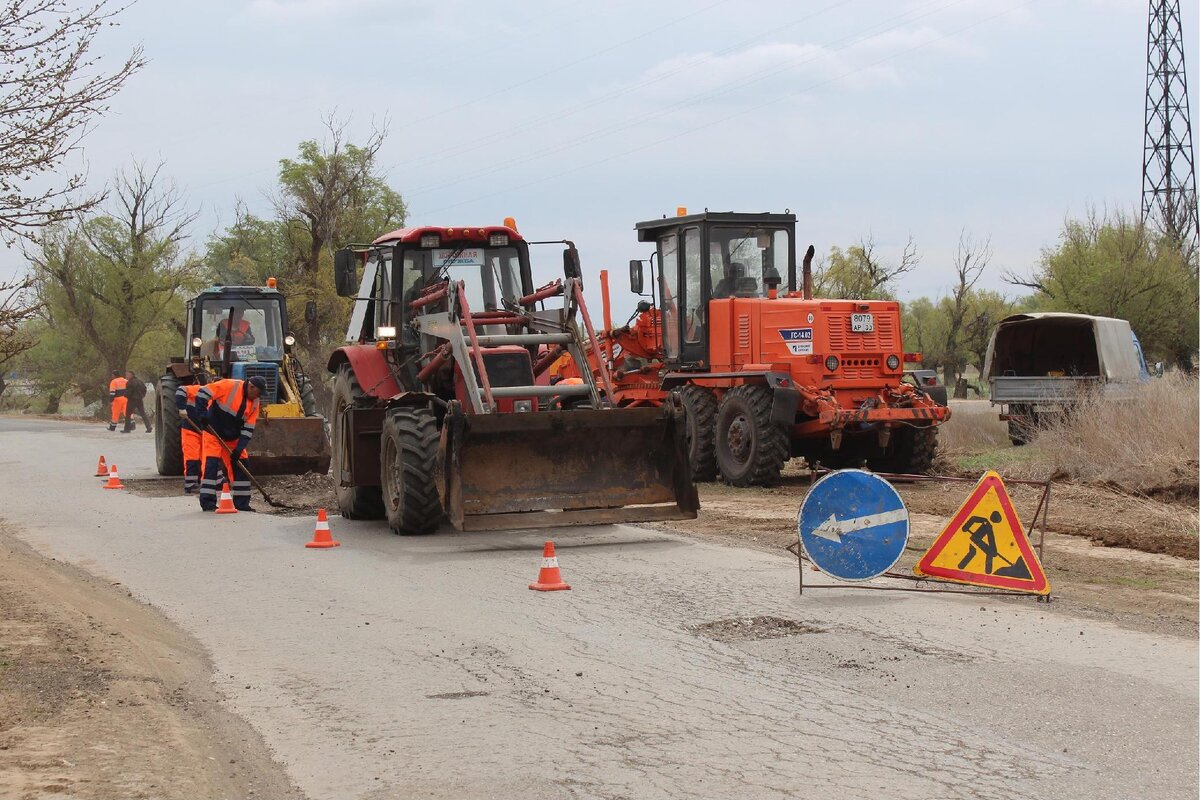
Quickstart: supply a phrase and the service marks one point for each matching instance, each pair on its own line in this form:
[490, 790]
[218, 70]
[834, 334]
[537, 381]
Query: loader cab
[252, 319]
[492, 262]
[715, 257]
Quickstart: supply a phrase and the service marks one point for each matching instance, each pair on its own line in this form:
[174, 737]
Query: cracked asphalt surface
[423, 667]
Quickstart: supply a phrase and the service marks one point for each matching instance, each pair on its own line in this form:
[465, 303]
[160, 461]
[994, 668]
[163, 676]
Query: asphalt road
[423, 667]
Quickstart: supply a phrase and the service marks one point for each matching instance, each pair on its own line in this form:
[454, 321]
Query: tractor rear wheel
[168, 449]
[408, 466]
[701, 407]
[751, 449]
[355, 502]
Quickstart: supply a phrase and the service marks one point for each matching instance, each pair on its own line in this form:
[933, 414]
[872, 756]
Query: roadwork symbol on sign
[853, 525]
[985, 545]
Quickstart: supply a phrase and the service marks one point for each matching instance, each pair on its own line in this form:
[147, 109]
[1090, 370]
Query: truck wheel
[408, 466]
[308, 401]
[1020, 431]
[751, 449]
[168, 449]
[913, 452]
[355, 502]
[701, 408]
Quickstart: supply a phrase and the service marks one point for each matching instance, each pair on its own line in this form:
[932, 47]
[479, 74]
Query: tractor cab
[239, 332]
[714, 256]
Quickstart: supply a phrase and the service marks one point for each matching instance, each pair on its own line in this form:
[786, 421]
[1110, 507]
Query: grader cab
[240, 332]
[441, 408]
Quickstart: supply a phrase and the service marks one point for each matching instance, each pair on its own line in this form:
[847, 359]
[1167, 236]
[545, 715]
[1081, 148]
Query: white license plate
[862, 323]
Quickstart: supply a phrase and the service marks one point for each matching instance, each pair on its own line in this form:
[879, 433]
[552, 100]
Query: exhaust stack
[808, 257]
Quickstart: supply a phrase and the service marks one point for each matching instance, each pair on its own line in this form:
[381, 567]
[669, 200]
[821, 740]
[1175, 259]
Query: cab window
[741, 260]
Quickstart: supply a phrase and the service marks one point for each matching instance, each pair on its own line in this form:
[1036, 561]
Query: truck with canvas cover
[240, 332]
[765, 370]
[1041, 365]
[438, 409]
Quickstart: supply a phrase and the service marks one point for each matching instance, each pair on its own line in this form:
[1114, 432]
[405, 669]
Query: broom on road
[273, 503]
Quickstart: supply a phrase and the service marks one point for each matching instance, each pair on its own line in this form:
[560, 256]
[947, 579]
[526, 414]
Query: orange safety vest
[116, 387]
[231, 412]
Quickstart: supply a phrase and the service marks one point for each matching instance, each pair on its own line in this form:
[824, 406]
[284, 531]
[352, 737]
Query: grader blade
[289, 446]
[578, 467]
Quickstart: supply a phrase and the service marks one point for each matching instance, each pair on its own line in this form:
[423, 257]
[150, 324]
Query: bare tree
[17, 309]
[970, 260]
[860, 273]
[51, 89]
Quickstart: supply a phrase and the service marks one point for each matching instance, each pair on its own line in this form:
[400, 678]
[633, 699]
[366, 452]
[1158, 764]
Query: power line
[447, 153]
[755, 77]
[727, 118]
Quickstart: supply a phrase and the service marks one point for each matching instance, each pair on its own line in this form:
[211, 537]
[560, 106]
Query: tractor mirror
[310, 311]
[571, 265]
[345, 273]
[635, 276]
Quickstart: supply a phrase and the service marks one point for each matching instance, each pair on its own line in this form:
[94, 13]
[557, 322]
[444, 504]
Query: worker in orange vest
[189, 432]
[227, 411]
[116, 399]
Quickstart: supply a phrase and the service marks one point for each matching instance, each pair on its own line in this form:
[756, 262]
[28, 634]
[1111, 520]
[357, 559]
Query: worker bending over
[116, 398]
[189, 432]
[227, 411]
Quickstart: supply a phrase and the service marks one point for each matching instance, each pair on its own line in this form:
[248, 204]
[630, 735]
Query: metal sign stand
[1039, 523]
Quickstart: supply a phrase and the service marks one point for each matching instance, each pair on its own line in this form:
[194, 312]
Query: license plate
[862, 323]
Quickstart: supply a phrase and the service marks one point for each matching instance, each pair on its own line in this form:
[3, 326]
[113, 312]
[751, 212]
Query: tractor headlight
[893, 362]
[498, 240]
[289, 340]
[522, 405]
[197, 342]
[385, 332]
[431, 240]
[831, 363]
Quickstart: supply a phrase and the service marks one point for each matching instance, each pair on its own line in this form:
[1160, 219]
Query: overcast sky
[893, 119]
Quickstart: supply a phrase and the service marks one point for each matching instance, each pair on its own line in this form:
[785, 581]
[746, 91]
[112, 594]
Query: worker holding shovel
[227, 411]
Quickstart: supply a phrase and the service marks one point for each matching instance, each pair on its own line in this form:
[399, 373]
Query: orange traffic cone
[101, 470]
[321, 536]
[114, 480]
[549, 578]
[225, 504]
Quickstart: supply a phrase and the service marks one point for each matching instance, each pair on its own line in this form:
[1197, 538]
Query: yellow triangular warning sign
[985, 545]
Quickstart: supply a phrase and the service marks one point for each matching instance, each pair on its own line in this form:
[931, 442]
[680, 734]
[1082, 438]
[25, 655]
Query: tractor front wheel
[355, 502]
[308, 401]
[168, 448]
[751, 449]
[913, 451]
[701, 407]
[408, 466]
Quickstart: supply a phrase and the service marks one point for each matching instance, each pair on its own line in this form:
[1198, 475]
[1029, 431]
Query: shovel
[270, 501]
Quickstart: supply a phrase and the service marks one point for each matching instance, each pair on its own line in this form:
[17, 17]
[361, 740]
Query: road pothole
[749, 629]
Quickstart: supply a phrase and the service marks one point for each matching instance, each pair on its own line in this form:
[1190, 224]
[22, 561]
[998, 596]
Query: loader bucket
[289, 446]
[576, 467]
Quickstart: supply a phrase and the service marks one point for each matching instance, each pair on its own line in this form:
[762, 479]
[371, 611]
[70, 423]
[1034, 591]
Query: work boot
[112, 426]
[149, 429]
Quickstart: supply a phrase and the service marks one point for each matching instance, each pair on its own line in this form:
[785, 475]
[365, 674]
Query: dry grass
[1146, 445]
[974, 427]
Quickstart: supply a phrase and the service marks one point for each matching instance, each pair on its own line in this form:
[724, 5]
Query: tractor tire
[913, 452]
[308, 400]
[408, 466]
[751, 449]
[168, 448]
[355, 502]
[701, 407]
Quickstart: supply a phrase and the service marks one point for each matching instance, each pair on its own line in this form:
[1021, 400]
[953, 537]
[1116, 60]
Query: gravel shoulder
[101, 697]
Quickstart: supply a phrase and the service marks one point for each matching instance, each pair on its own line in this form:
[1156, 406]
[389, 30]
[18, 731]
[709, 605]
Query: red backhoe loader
[438, 411]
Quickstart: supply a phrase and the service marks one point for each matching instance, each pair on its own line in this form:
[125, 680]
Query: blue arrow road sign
[853, 525]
